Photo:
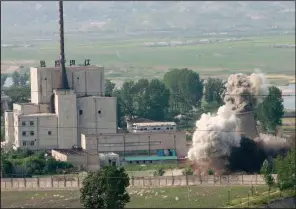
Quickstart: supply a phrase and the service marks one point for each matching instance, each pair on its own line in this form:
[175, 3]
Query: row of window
[24, 133]
[145, 129]
[142, 162]
[31, 123]
[27, 143]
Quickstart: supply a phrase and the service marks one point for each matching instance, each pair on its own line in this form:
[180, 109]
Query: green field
[129, 59]
[182, 197]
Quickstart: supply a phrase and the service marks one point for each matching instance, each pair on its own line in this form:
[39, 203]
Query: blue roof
[153, 158]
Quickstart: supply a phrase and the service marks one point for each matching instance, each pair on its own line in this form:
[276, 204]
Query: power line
[82, 127]
[163, 93]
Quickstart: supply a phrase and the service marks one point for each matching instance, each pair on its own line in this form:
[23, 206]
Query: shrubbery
[19, 163]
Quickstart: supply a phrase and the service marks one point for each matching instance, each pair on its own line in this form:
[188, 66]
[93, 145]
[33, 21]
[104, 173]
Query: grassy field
[131, 60]
[182, 197]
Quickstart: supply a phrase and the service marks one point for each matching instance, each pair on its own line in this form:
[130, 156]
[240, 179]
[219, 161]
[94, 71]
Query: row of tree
[181, 93]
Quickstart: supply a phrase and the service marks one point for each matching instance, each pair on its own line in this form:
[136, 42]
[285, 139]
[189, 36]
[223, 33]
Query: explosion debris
[216, 134]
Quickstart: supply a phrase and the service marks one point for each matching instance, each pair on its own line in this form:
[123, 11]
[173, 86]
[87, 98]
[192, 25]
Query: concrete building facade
[56, 118]
[81, 116]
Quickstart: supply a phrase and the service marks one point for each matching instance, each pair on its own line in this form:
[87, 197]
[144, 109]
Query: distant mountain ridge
[26, 17]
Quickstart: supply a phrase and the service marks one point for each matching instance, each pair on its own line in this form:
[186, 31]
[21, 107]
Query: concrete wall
[66, 110]
[74, 182]
[96, 115]
[133, 141]
[40, 131]
[89, 161]
[84, 80]
[9, 128]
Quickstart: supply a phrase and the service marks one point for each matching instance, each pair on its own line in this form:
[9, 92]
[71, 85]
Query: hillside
[39, 19]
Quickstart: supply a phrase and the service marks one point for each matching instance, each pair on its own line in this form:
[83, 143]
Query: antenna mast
[63, 75]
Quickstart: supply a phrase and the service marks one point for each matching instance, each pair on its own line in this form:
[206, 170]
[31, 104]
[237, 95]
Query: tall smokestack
[63, 75]
[246, 124]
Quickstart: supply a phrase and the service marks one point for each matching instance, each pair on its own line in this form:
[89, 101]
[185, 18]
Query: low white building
[154, 127]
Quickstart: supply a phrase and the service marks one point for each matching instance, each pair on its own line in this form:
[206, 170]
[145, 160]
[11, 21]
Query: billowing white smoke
[216, 134]
[272, 143]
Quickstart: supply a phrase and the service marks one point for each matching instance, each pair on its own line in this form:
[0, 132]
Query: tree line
[181, 96]
[25, 163]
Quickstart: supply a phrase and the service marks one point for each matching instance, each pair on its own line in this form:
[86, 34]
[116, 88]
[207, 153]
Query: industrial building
[68, 109]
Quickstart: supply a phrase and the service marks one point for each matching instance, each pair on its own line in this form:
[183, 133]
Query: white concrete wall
[133, 141]
[9, 128]
[30, 108]
[58, 155]
[37, 133]
[66, 110]
[91, 121]
[85, 80]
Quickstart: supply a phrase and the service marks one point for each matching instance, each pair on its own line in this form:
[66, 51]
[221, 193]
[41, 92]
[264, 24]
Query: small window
[24, 143]
[158, 128]
[77, 78]
[32, 143]
[49, 132]
[45, 79]
[137, 162]
[80, 112]
[24, 133]
[154, 128]
[144, 161]
[150, 161]
[99, 112]
[172, 128]
[31, 123]
[23, 123]
[167, 128]
[145, 129]
[110, 162]
[32, 133]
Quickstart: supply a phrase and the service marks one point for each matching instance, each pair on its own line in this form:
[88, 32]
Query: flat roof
[152, 158]
[155, 124]
[39, 114]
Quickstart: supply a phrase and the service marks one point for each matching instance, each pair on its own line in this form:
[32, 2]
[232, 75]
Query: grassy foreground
[184, 197]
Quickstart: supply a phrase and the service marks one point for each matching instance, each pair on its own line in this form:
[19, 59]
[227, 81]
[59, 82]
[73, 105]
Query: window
[77, 78]
[80, 112]
[137, 162]
[158, 128]
[45, 79]
[24, 133]
[49, 132]
[172, 128]
[109, 162]
[23, 123]
[31, 123]
[32, 133]
[167, 128]
[32, 143]
[99, 112]
[24, 143]
[145, 129]
[154, 128]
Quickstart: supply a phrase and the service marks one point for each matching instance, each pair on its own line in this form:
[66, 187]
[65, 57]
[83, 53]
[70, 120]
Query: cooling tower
[246, 125]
